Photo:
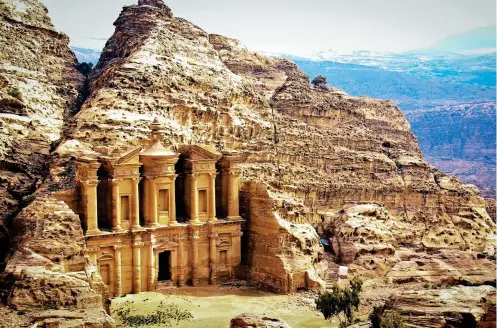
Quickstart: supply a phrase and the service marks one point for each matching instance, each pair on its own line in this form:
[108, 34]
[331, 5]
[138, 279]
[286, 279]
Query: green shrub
[164, 316]
[392, 319]
[339, 302]
[385, 319]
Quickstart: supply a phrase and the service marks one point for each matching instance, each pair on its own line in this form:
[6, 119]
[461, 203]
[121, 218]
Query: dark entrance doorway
[164, 266]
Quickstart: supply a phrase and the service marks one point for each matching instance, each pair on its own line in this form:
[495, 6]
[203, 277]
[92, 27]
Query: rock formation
[314, 149]
[453, 307]
[48, 276]
[247, 320]
[282, 256]
[308, 153]
[39, 90]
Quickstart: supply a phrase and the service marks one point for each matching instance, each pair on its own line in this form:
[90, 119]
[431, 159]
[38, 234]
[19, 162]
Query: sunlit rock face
[313, 147]
[39, 90]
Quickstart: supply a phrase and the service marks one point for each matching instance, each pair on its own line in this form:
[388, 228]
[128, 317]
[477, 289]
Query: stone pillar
[172, 201]
[233, 200]
[194, 199]
[181, 267]
[236, 254]
[212, 197]
[117, 269]
[116, 206]
[135, 204]
[194, 240]
[137, 278]
[153, 211]
[151, 263]
[212, 258]
[89, 191]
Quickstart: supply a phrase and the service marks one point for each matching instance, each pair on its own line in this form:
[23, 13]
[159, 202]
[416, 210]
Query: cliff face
[460, 140]
[39, 89]
[314, 147]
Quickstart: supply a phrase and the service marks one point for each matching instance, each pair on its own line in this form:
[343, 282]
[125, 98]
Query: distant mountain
[87, 55]
[476, 40]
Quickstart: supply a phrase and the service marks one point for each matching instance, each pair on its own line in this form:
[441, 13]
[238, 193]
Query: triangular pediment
[197, 152]
[130, 156]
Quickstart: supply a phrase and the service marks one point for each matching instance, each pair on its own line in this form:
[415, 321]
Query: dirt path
[213, 307]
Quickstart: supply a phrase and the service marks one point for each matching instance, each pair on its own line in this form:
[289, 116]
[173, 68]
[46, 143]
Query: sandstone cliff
[312, 147]
[39, 90]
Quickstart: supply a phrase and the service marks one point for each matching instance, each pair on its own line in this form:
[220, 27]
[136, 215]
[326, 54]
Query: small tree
[339, 302]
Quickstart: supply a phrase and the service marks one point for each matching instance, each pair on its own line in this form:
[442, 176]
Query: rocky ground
[350, 166]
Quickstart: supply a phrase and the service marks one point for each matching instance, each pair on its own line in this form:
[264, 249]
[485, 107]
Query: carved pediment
[197, 152]
[131, 156]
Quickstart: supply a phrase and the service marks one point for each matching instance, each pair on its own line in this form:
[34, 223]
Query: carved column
[135, 204]
[194, 240]
[117, 269]
[116, 206]
[181, 267]
[153, 211]
[212, 197]
[233, 206]
[89, 191]
[194, 199]
[236, 247]
[151, 263]
[172, 201]
[212, 258]
[137, 282]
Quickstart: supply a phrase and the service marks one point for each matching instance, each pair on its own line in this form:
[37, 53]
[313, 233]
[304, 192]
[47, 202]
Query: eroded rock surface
[453, 307]
[282, 256]
[48, 277]
[39, 90]
[247, 320]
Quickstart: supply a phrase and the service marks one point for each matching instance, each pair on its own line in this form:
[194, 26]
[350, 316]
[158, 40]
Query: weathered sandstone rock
[247, 320]
[39, 90]
[282, 256]
[49, 269]
[453, 307]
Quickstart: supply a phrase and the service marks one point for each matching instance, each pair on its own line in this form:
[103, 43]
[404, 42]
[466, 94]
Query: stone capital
[115, 181]
[136, 179]
[193, 175]
[237, 233]
[117, 247]
[213, 236]
[138, 244]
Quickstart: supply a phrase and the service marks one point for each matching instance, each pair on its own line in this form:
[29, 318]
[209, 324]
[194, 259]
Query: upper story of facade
[156, 187]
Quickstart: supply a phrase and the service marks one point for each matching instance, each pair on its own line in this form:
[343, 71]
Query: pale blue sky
[294, 26]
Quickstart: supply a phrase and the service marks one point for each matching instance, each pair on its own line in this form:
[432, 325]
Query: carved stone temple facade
[156, 218]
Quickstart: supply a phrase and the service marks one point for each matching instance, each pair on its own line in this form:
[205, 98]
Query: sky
[297, 27]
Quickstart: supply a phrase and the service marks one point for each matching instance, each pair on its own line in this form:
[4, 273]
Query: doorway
[164, 266]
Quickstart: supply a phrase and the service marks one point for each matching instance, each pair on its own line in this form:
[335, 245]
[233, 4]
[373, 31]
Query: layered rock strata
[39, 90]
[282, 256]
[453, 307]
[49, 277]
